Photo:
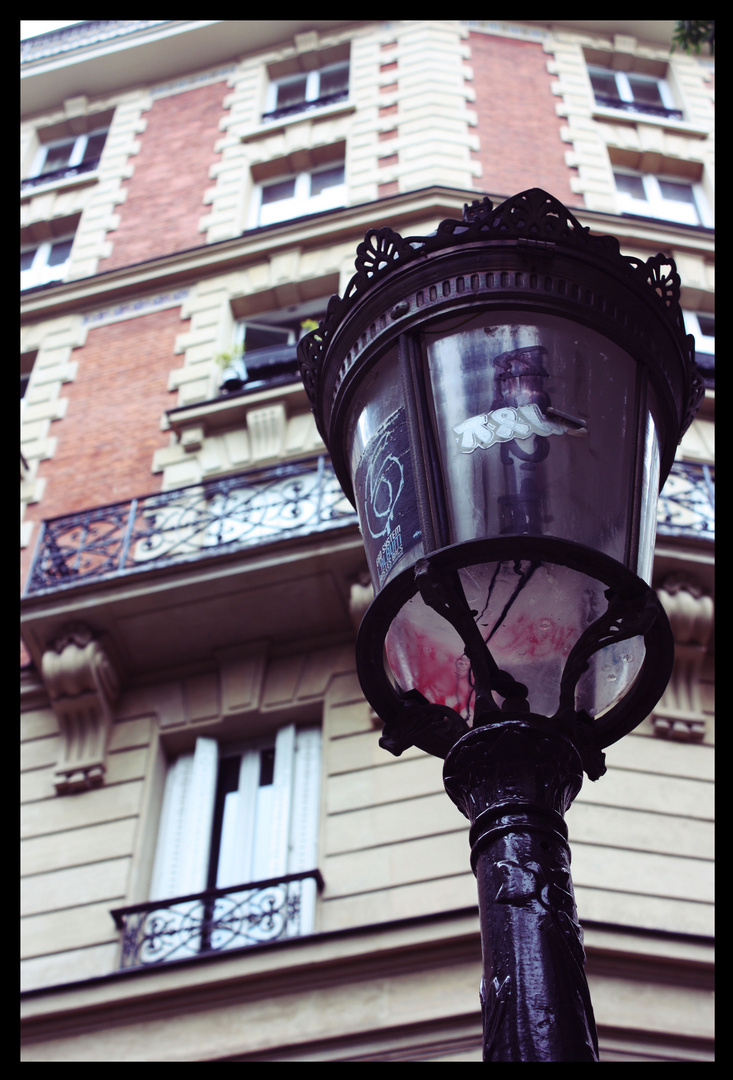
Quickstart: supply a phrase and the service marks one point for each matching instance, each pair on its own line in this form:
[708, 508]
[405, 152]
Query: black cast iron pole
[514, 779]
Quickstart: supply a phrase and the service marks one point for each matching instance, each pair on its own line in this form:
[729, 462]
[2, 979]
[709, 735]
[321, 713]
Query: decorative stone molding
[679, 714]
[360, 597]
[82, 685]
[266, 427]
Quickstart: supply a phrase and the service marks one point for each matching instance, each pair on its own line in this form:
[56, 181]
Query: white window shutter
[304, 825]
[306, 801]
[184, 836]
[273, 822]
[200, 815]
[171, 838]
[236, 851]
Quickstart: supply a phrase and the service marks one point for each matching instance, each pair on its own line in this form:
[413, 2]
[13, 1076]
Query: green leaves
[691, 35]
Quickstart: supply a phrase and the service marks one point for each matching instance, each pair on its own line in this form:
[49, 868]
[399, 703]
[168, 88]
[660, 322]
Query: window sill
[42, 284]
[633, 119]
[667, 222]
[230, 411]
[66, 183]
[275, 127]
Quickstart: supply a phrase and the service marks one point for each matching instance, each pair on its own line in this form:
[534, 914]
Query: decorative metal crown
[531, 216]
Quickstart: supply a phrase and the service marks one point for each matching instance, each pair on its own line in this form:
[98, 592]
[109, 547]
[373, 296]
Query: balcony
[266, 556]
[215, 920]
[190, 523]
[181, 577]
[234, 513]
[687, 504]
[644, 108]
[57, 175]
[305, 106]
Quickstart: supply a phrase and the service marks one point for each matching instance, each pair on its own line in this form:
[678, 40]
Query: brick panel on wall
[111, 430]
[165, 195]
[518, 128]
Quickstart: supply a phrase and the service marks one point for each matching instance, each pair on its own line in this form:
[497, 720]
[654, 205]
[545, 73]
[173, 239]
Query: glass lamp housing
[502, 401]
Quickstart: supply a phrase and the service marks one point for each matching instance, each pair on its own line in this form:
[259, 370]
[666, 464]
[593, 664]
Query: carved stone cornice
[82, 685]
[679, 714]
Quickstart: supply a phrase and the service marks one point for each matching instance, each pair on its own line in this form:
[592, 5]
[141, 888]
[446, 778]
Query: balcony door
[231, 816]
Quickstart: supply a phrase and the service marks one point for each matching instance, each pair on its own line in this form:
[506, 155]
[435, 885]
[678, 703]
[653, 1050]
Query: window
[233, 816]
[701, 324]
[44, 262]
[633, 92]
[71, 155]
[307, 90]
[302, 193]
[669, 199]
[27, 361]
[265, 353]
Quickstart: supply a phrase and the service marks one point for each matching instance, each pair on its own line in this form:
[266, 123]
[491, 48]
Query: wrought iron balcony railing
[638, 107]
[189, 523]
[305, 106]
[242, 511]
[59, 174]
[217, 919]
[687, 503]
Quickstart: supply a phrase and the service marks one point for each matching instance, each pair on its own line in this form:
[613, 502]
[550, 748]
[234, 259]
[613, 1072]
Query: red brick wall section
[165, 195]
[518, 128]
[106, 440]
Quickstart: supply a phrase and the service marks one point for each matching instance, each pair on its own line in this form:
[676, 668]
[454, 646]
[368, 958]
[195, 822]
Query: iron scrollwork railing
[687, 502]
[215, 920]
[305, 106]
[241, 511]
[189, 523]
[60, 174]
[613, 102]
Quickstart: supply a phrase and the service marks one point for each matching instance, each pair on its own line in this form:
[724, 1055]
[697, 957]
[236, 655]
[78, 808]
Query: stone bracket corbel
[679, 715]
[82, 685]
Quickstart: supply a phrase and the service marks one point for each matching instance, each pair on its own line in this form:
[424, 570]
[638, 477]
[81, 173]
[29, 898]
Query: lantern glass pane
[530, 615]
[649, 499]
[534, 419]
[382, 473]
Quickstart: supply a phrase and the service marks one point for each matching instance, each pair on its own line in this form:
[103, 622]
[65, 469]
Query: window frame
[313, 95]
[40, 272]
[704, 343]
[76, 157]
[655, 205]
[184, 860]
[301, 203]
[625, 93]
[246, 377]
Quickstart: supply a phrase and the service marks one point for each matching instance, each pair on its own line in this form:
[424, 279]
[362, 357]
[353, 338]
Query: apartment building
[219, 863]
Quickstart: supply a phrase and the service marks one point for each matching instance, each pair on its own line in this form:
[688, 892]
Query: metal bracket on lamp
[411, 720]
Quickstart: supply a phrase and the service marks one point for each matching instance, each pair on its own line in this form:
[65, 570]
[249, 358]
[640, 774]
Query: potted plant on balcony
[234, 369]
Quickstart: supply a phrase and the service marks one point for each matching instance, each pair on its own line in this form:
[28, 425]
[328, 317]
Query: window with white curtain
[233, 815]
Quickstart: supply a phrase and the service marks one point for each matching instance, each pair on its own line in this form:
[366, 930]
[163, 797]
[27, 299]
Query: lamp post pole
[514, 779]
[502, 400]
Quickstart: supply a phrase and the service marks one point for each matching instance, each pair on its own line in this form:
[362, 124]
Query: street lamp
[502, 400]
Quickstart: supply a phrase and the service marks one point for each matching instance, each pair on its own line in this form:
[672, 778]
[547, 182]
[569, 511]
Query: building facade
[219, 863]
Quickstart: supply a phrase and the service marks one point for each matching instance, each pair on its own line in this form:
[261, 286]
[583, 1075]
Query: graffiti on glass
[391, 525]
[521, 407]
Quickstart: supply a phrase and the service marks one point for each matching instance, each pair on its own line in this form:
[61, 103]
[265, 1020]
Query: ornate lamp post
[502, 401]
